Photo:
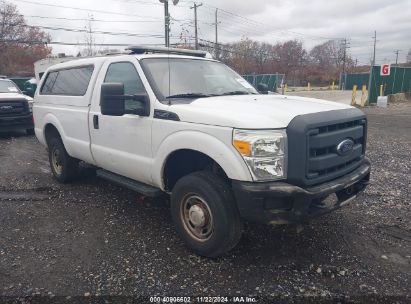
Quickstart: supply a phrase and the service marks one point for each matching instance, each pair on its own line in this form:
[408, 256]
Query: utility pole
[396, 57]
[196, 22]
[167, 21]
[217, 49]
[345, 45]
[372, 67]
[375, 45]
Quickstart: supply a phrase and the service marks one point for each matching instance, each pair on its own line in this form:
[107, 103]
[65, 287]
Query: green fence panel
[399, 81]
[351, 79]
[271, 80]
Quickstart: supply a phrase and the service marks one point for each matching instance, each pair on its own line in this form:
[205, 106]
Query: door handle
[95, 122]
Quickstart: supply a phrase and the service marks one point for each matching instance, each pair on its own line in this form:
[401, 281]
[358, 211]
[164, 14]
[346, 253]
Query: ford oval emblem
[345, 147]
[6, 108]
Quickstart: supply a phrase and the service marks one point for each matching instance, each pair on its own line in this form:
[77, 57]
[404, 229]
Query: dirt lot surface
[93, 238]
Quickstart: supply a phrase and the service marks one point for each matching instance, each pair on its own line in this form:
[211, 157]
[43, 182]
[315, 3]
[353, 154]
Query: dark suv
[16, 109]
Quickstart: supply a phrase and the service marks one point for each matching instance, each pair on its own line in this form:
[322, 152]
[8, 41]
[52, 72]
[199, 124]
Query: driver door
[122, 144]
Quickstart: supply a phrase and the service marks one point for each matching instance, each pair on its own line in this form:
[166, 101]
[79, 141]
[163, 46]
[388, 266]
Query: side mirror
[262, 88]
[113, 101]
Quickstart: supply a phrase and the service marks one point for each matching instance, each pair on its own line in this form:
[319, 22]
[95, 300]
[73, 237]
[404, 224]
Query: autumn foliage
[320, 65]
[20, 44]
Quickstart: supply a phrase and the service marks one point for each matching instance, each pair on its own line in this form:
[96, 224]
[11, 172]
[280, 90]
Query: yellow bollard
[381, 90]
[309, 87]
[364, 95]
[354, 95]
[333, 86]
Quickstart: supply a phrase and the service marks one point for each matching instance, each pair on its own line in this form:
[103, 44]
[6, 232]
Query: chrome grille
[13, 107]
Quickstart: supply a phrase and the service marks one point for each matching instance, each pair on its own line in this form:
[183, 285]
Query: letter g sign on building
[385, 69]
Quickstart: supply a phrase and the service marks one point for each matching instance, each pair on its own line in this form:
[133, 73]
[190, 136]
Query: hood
[12, 96]
[251, 111]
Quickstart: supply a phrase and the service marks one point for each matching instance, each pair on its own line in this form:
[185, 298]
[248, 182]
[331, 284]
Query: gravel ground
[93, 238]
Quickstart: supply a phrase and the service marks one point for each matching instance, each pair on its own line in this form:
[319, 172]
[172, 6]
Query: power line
[77, 30]
[94, 20]
[86, 9]
[145, 2]
[34, 42]
[257, 23]
[228, 22]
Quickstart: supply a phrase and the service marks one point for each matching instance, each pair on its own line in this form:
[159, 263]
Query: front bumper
[11, 123]
[282, 203]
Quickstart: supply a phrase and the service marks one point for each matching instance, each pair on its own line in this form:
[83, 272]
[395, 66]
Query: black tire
[30, 131]
[67, 168]
[219, 201]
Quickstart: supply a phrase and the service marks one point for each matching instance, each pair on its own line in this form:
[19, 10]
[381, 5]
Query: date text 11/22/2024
[204, 299]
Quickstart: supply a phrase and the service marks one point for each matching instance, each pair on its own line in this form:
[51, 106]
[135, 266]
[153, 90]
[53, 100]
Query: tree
[328, 58]
[20, 45]
[291, 56]
[90, 49]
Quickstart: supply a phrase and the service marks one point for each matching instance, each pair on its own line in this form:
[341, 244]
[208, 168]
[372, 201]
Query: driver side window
[126, 73]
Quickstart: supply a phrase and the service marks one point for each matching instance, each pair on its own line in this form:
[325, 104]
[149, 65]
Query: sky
[312, 22]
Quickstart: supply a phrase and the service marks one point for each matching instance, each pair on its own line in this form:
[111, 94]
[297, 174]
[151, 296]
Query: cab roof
[139, 52]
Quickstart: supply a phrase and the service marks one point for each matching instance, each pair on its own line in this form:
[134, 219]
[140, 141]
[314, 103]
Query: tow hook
[349, 190]
[361, 185]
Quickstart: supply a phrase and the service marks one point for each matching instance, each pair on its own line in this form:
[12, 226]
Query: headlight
[264, 151]
[30, 106]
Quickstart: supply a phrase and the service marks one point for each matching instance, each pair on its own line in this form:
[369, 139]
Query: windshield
[7, 86]
[193, 78]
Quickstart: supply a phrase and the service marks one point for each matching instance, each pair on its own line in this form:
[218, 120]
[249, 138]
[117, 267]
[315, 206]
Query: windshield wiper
[237, 93]
[189, 95]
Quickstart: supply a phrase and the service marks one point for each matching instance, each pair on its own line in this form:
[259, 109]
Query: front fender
[226, 156]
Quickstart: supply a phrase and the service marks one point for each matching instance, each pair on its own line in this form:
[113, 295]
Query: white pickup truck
[177, 122]
[15, 108]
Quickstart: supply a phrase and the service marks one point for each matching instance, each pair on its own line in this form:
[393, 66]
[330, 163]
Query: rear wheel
[64, 167]
[205, 214]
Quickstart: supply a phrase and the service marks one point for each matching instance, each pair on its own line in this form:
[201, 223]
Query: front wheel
[205, 214]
